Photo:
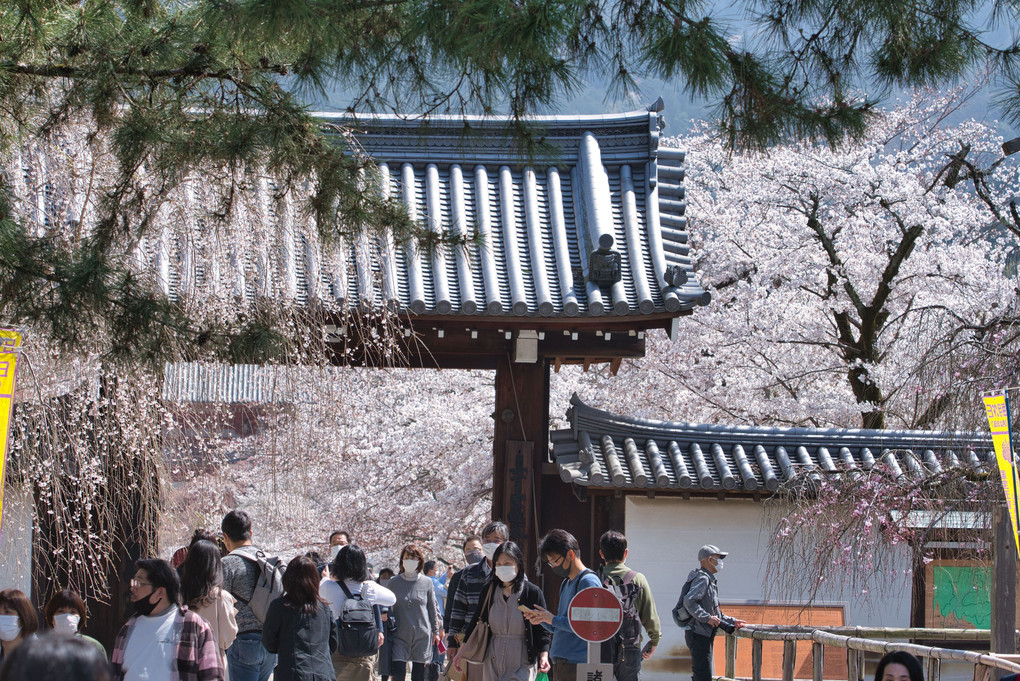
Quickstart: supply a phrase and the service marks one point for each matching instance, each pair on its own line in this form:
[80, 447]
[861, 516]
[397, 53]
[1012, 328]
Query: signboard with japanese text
[10, 348]
[997, 410]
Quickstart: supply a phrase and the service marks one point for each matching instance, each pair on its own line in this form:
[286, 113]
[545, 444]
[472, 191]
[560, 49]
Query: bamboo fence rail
[862, 640]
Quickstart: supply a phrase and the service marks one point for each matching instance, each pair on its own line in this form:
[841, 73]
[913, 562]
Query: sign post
[595, 615]
[10, 347]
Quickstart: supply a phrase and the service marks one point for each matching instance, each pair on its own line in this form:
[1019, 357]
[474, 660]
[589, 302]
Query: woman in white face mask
[517, 649]
[18, 621]
[416, 612]
[65, 614]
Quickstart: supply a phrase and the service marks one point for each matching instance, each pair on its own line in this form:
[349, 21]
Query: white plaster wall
[16, 542]
[664, 535]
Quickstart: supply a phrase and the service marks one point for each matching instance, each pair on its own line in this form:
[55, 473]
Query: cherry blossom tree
[847, 282]
[391, 456]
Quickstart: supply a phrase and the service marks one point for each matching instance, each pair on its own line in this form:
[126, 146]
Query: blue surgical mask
[10, 627]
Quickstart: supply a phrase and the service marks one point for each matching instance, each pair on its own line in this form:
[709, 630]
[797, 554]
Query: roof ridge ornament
[675, 276]
[604, 263]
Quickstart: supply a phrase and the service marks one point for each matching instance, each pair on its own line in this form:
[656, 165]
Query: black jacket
[538, 637]
[451, 590]
[303, 642]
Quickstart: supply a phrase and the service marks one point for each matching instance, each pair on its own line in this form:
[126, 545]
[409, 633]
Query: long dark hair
[201, 573]
[513, 551]
[301, 585]
[909, 661]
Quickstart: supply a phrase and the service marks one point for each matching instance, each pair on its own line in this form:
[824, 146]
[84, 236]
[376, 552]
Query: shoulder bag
[473, 649]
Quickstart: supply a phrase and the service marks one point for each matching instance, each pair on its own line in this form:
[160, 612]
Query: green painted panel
[964, 594]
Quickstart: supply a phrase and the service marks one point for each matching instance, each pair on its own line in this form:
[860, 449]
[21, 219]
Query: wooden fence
[859, 640]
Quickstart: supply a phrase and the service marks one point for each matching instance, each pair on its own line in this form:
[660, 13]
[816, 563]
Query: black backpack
[629, 634]
[359, 624]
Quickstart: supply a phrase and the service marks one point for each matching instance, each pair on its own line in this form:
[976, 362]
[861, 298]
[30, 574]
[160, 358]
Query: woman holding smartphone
[518, 650]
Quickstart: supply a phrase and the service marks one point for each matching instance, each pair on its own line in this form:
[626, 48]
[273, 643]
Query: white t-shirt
[150, 650]
[375, 594]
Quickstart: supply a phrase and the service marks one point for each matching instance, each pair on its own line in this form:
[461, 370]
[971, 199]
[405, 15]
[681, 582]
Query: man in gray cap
[702, 602]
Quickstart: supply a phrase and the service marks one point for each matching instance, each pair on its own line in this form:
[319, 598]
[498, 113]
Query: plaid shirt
[198, 656]
[473, 579]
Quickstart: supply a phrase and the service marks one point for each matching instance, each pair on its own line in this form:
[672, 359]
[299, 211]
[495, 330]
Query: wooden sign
[772, 651]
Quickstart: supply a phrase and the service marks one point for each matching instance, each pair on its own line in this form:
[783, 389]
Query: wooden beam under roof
[480, 345]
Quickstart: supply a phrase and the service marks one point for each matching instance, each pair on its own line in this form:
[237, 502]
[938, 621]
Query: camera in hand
[728, 627]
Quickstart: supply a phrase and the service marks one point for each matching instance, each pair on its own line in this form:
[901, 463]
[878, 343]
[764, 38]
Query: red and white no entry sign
[595, 614]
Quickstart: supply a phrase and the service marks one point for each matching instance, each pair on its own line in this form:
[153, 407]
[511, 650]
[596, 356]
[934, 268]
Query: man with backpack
[698, 611]
[355, 601]
[243, 567]
[624, 649]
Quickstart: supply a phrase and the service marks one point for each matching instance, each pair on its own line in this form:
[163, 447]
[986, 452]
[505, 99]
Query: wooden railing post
[984, 665]
[789, 659]
[817, 661]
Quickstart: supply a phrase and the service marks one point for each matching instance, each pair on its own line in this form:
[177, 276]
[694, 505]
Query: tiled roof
[602, 450]
[538, 216]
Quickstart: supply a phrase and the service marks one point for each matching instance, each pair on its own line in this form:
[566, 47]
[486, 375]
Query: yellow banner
[997, 410]
[10, 348]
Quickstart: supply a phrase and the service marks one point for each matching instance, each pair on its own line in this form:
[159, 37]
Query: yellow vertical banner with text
[997, 410]
[10, 349]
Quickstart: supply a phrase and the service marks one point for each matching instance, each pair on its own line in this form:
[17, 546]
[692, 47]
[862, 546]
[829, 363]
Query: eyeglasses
[137, 583]
[559, 561]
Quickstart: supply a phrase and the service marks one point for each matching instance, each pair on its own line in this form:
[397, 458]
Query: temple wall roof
[607, 451]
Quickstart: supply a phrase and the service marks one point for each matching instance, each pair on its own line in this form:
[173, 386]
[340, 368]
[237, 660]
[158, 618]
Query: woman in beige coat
[201, 576]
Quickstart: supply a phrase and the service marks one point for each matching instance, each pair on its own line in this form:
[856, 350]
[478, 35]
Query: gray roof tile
[603, 450]
[539, 217]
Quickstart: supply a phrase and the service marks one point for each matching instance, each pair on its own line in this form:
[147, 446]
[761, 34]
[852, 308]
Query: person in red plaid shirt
[164, 641]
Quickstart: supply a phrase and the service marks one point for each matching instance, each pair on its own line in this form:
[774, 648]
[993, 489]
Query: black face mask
[562, 570]
[143, 606]
[474, 557]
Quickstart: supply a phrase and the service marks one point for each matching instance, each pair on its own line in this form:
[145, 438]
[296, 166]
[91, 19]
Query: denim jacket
[702, 601]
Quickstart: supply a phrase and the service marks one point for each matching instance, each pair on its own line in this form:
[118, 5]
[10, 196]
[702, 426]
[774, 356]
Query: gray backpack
[268, 586]
[681, 617]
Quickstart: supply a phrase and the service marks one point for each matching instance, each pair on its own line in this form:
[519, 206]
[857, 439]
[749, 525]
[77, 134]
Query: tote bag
[473, 649]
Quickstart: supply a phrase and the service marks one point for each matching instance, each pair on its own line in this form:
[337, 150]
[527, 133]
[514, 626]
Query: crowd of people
[222, 609]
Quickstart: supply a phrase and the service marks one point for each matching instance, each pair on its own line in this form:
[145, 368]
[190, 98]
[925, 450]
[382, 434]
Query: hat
[710, 550]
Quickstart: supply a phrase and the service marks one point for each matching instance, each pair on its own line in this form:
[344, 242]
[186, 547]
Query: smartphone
[524, 608]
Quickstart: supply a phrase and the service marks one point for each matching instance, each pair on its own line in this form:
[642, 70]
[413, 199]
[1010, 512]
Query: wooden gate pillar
[1003, 585]
[519, 448]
